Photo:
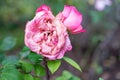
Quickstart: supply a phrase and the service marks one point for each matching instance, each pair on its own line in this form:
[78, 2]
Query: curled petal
[42, 8]
[76, 29]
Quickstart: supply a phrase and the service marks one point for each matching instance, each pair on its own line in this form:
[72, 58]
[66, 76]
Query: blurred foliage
[29, 66]
[19, 68]
[66, 75]
[101, 79]
[98, 24]
[11, 10]
[8, 43]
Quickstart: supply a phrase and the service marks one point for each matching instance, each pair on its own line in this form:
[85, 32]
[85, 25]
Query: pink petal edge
[43, 7]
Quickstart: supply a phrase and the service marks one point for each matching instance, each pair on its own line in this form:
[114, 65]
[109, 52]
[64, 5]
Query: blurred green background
[97, 50]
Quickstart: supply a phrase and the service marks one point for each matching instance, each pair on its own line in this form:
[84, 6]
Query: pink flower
[73, 19]
[101, 4]
[47, 35]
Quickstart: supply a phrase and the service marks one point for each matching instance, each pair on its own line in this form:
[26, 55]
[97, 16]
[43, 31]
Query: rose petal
[74, 18]
[67, 47]
[43, 7]
[76, 29]
[66, 11]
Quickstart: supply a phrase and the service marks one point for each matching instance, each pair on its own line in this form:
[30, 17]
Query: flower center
[46, 33]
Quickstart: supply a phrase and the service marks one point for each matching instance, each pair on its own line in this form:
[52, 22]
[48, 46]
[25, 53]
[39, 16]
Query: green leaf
[2, 56]
[39, 70]
[26, 66]
[37, 78]
[25, 48]
[101, 79]
[72, 63]
[9, 72]
[28, 77]
[34, 57]
[74, 78]
[53, 65]
[20, 76]
[67, 76]
[25, 52]
[8, 43]
[10, 60]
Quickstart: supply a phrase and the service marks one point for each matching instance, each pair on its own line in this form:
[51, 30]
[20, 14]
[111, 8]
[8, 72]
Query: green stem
[47, 70]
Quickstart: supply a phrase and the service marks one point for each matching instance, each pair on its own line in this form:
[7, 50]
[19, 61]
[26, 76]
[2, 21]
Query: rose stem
[46, 68]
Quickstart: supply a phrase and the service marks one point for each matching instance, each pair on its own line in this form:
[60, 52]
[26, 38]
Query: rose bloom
[47, 35]
[101, 4]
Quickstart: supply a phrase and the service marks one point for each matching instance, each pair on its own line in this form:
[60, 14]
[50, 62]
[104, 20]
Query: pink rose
[47, 35]
[72, 19]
